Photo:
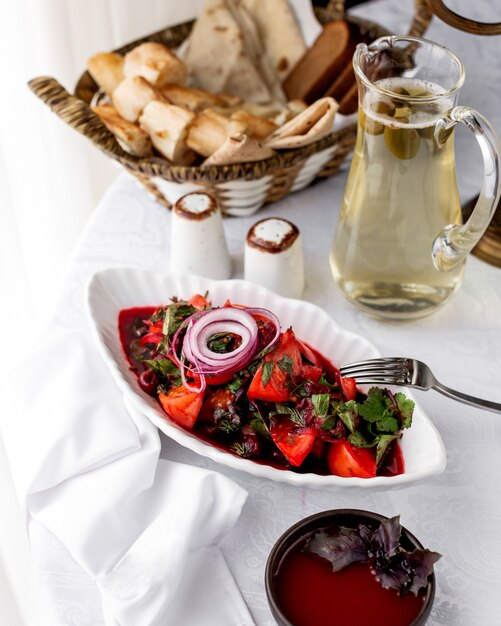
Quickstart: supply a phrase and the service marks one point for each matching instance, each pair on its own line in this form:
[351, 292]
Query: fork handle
[486, 405]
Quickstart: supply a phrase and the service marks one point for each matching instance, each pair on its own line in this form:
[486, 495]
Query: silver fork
[411, 373]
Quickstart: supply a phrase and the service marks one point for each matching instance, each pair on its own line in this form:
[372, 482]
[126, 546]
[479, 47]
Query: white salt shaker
[274, 257]
[198, 242]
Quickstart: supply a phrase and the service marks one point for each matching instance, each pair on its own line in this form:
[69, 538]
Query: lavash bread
[217, 56]
[317, 70]
[238, 149]
[279, 33]
[311, 125]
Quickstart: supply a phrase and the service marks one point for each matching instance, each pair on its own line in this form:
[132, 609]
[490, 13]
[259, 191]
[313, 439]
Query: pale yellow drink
[400, 193]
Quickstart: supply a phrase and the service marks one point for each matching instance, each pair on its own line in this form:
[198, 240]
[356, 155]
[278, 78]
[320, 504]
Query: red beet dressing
[309, 593]
[128, 322]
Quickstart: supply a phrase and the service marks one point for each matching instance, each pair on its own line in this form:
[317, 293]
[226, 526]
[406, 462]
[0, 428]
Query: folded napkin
[86, 466]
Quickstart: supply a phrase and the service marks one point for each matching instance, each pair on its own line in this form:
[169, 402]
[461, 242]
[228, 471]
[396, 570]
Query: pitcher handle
[454, 243]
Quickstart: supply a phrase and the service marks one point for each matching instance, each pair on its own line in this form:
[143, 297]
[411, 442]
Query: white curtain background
[50, 180]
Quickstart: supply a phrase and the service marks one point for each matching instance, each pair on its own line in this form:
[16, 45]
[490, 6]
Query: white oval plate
[114, 289]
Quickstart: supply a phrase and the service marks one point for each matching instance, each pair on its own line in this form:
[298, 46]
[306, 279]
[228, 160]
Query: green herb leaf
[406, 408]
[358, 440]
[329, 422]
[382, 446]
[348, 412]
[258, 425]
[267, 371]
[375, 405]
[242, 449]
[175, 316]
[286, 364]
[234, 384]
[321, 403]
[165, 368]
[387, 423]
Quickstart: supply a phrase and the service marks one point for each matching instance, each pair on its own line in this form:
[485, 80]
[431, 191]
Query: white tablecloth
[458, 513]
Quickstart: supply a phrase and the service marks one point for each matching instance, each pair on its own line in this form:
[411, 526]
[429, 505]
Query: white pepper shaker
[198, 242]
[274, 257]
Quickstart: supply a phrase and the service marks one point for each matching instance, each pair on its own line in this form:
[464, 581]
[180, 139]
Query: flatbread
[218, 59]
[310, 125]
[238, 149]
[279, 33]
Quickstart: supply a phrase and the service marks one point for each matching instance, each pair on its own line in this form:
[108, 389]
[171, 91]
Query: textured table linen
[457, 513]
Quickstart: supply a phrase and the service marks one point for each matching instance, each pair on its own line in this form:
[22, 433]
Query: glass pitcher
[400, 246]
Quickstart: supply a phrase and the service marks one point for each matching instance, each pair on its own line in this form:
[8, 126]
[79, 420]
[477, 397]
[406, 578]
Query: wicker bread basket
[241, 189]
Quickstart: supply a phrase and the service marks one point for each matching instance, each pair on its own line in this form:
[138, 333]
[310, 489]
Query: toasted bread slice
[106, 68]
[193, 99]
[167, 125]
[132, 139]
[156, 63]
[209, 131]
[132, 95]
[257, 127]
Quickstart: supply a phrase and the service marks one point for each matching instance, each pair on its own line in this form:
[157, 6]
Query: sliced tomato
[199, 302]
[294, 444]
[277, 387]
[182, 406]
[213, 379]
[349, 387]
[217, 399]
[275, 390]
[347, 460]
[311, 372]
[309, 353]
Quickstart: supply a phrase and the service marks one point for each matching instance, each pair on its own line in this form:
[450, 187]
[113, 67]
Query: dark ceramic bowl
[336, 517]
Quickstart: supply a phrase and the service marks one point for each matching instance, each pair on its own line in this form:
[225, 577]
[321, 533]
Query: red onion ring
[197, 358]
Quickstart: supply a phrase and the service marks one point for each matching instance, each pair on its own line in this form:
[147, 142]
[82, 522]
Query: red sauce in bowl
[311, 594]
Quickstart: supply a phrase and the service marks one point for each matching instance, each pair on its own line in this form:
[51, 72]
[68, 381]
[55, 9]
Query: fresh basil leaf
[406, 408]
[321, 403]
[267, 372]
[386, 537]
[421, 562]
[341, 549]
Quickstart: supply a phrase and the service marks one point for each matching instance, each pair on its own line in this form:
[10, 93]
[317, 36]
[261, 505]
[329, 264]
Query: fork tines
[390, 370]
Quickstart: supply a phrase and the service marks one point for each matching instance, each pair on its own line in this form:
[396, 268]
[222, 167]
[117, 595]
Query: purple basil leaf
[387, 537]
[392, 573]
[421, 565]
[343, 548]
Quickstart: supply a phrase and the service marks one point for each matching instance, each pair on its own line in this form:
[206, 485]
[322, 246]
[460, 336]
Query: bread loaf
[317, 70]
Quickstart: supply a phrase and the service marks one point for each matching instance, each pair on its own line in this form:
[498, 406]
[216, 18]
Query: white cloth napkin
[86, 466]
